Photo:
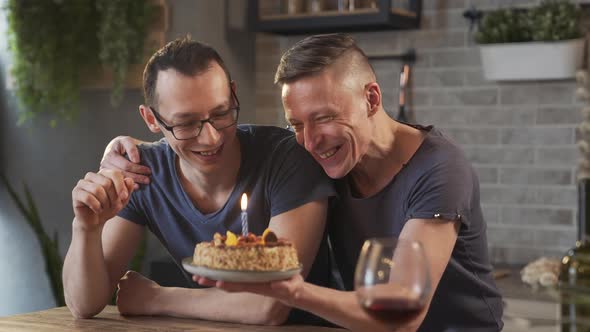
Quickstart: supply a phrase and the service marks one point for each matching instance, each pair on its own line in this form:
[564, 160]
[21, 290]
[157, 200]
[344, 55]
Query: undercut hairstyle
[184, 55]
[315, 53]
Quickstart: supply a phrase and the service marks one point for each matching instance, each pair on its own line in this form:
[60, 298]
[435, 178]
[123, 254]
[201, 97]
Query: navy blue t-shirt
[277, 174]
[436, 183]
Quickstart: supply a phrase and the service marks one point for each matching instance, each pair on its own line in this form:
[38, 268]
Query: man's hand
[99, 197]
[287, 291]
[114, 159]
[136, 295]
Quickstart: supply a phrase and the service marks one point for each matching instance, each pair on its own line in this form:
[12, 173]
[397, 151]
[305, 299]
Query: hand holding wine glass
[392, 279]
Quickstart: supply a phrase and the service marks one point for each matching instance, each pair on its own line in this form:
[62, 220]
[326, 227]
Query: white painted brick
[528, 195]
[537, 216]
[432, 5]
[456, 58]
[559, 115]
[484, 97]
[532, 176]
[500, 155]
[519, 94]
[557, 156]
[473, 135]
[503, 116]
[487, 174]
[537, 136]
[442, 116]
[557, 93]
[513, 255]
[506, 234]
[555, 237]
[450, 20]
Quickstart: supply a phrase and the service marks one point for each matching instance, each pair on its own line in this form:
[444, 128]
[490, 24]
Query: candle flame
[244, 202]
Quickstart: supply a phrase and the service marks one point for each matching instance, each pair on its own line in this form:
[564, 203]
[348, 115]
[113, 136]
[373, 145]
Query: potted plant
[543, 42]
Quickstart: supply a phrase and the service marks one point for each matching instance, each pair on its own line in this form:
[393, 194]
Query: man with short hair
[393, 180]
[199, 171]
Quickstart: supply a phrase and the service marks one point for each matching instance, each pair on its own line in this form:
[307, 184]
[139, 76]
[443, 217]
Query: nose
[309, 139]
[209, 135]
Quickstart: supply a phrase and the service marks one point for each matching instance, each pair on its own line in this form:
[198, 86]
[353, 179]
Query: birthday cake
[247, 253]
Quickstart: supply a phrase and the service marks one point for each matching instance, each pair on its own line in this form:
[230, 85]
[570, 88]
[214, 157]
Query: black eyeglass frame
[171, 128]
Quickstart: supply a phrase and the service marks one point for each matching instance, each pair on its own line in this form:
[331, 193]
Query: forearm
[217, 305]
[338, 307]
[343, 309]
[87, 287]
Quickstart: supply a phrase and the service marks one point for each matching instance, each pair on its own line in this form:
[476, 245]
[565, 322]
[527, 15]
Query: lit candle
[244, 215]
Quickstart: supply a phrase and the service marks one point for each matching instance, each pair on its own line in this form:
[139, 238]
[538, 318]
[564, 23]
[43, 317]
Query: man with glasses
[393, 180]
[199, 171]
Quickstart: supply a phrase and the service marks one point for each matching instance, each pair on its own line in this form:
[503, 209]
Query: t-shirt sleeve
[443, 192]
[296, 179]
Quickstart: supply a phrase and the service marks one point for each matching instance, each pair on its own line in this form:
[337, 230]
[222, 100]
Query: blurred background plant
[555, 20]
[551, 20]
[49, 246]
[54, 41]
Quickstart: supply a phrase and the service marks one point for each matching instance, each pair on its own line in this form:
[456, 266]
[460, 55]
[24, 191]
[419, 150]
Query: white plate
[237, 276]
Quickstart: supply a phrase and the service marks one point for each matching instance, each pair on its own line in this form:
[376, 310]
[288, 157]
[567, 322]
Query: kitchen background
[520, 136]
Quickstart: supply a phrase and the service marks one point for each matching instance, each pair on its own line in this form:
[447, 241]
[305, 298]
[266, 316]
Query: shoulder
[269, 139]
[438, 152]
[155, 155]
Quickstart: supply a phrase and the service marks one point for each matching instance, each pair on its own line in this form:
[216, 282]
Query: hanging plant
[122, 31]
[54, 41]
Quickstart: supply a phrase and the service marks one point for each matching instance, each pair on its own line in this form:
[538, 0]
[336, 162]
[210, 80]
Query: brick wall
[519, 136]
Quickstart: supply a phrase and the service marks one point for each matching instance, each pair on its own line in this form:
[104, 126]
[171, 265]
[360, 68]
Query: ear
[373, 95]
[149, 119]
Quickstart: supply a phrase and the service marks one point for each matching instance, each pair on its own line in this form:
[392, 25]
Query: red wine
[392, 309]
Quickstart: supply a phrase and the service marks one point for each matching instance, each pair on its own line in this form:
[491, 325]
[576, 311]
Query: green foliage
[555, 20]
[503, 26]
[552, 20]
[54, 41]
[49, 247]
[122, 31]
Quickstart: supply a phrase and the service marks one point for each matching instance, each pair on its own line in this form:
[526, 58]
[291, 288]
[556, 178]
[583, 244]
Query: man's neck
[392, 145]
[209, 191]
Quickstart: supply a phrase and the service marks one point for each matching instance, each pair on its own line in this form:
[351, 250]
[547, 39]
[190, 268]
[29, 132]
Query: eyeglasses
[218, 121]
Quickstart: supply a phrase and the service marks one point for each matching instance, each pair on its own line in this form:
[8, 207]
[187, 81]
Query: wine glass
[392, 279]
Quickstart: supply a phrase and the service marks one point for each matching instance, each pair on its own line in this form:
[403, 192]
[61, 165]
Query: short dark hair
[184, 55]
[313, 54]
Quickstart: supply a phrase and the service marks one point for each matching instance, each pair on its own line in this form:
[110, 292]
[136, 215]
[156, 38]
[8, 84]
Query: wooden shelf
[383, 17]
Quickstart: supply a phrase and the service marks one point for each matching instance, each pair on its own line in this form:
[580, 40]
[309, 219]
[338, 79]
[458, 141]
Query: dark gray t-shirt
[276, 173]
[437, 180]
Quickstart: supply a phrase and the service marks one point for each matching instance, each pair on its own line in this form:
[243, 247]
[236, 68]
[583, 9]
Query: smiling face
[185, 101]
[330, 113]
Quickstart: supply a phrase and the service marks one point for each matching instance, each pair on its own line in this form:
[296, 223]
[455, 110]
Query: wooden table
[60, 319]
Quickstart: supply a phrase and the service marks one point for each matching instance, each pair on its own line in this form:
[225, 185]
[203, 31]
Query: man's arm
[100, 249]
[342, 308]
[304, 226]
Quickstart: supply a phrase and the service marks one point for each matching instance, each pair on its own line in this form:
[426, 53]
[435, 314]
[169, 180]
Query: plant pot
[532, 60]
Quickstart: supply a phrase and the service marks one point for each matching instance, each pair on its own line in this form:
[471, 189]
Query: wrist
[86, 229]
[162, 300]
[299, 296]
